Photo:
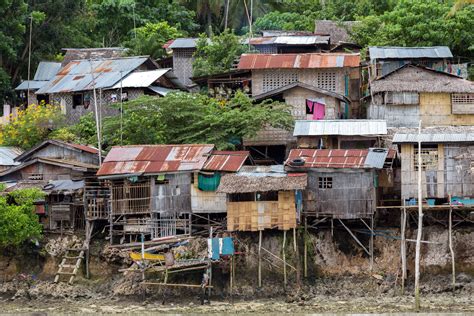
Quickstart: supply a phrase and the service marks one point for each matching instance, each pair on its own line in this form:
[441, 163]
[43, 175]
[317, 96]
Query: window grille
[429, 158]
[462, 103]
[277, 79]
[183, 53]
[402, 98]
[325, 182]
[326, 81]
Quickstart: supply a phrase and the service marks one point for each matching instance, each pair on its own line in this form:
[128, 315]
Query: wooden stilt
[371, 245]
[260, 258]
[294, 239]
[231, 274]
[332, 227]
[451, 249]
[284, 258]
[305, 260]
[298, 260]
[403, 245]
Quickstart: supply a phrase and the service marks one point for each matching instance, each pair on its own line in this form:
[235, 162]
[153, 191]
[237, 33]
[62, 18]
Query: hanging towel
[316, 107]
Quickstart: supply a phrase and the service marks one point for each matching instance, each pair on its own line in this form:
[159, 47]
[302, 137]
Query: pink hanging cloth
[316, 108]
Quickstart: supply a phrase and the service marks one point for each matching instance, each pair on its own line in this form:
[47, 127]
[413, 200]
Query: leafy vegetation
[217, 55]
[18, 221]
[200, 119]
[31, 126]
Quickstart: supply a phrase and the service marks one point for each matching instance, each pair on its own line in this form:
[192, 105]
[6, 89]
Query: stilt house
[342, 184]
[154, 189]
[446, 162]
[262, 197]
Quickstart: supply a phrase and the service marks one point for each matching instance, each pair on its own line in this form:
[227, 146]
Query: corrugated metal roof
[153, 159]
[46, 70]
[183, 43]
[141, 79]
[376, 158]
[63, 186]
[313, 60]
[8, 155]
[329, 158]
[433, 138]
[386, 52]
[230, 161]
[34, 85]
[161, 90]
[77, 76]
[288, 40]
[340, 127]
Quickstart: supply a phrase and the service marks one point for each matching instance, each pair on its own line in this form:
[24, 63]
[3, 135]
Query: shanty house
[153, 188]
[446, 162]
[413, 93]
[321, 86]
[339, 134]
[112, 80]
[385, 59]
[262, 197]
[59, 169]
[342, 184]
[46, 71]
[183, 51]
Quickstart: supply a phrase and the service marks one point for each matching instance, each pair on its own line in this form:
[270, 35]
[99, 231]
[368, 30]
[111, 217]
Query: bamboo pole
[450, 234]
[305, 256]
[260, 258]
[420, 226]
[403, 245]
[371, 245]
[284, 258]
[231, 274]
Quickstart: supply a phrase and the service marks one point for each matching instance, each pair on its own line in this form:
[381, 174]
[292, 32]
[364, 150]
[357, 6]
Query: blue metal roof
[33, 85]
[83, 75]
[386, 52]
[46, 70]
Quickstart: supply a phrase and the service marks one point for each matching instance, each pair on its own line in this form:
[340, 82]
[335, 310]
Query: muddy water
[443, 304]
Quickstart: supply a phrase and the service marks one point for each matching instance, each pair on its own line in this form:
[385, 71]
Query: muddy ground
[345, 294]
[340, 279]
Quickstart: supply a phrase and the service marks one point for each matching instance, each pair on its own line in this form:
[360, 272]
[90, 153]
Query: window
[402, 98]
[325, 182]
[429, 158]
[77, 100]
[462, 103]
[267, 196]
[42, 98]
[35, 176]
[276, 79]
[326, 81]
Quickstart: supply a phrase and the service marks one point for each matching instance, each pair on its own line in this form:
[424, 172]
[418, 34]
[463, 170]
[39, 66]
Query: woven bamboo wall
[254, 216]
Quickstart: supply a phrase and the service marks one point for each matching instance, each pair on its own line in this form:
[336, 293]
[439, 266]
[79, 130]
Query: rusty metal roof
[302, 61]
[340, 158]
[83, 75]
[154, 159]
[230, 161]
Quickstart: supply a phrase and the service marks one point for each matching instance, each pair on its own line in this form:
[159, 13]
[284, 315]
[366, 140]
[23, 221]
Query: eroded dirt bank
[340, 279]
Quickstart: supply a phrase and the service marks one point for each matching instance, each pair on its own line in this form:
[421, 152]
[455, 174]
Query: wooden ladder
[72, 259]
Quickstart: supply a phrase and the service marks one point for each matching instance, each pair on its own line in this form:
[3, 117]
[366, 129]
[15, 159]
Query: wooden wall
[48, 172]
[260, 215]
[452, 176]
[206, 201]
[59, 152]
[396, 115]
[435, 110]
[175, 196]
[352, 195]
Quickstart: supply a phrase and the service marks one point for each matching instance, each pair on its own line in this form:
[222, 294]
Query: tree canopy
[18, 221]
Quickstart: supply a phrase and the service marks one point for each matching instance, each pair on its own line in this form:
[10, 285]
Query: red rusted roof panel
[150, 159]
[329, 158]
[85, 148]
[313, 60]
[230, 161]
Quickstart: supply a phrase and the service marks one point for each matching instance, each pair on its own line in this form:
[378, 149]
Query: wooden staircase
[72, 259]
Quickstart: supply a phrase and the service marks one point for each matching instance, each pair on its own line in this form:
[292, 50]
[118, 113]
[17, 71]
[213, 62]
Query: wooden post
[284, 258]
[450, 235]
[420, 226]
[305, 260]
[371, 246]
[260, 258]
[298, 261]
[231, 268]
[88, 233]
[403, 244]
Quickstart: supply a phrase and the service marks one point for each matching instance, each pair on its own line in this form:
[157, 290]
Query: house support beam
[354, 237]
